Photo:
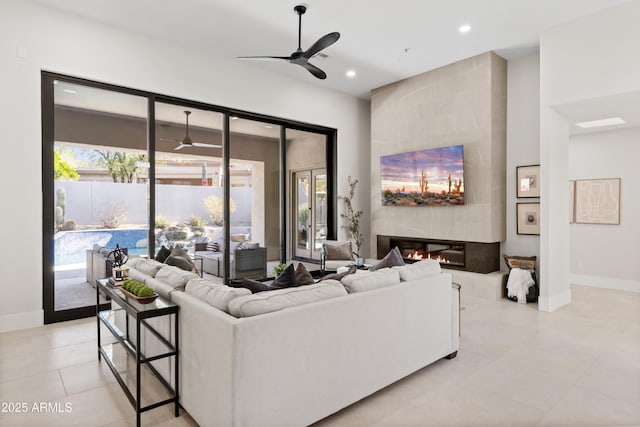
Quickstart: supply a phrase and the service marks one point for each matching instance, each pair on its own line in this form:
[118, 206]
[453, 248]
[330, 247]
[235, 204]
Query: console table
[124, 357]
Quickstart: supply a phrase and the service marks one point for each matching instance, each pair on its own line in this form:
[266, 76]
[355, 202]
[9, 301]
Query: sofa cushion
[286, 279]
[339, 252]
[162, 254]
[303, 277]
[214, 294]
[368, 281]
[174, 276]
[391, 259]
[253, 285]
[270, 301]
[148, 266]
[417, 270]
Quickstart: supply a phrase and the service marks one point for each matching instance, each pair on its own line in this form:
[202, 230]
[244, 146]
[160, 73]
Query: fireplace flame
[417, 255]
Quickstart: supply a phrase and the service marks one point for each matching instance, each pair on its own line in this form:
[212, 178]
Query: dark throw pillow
[286, 279]
[303, 277]
[342, 252]
[253, 285]
[181, 262]
[392, 259]
[336, 276]
[163, 254]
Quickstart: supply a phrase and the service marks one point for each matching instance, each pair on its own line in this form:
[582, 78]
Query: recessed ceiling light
[268, 126]
[464, 28]
[233, 118]
[55, 82]
[600, 123]
[351, 73]
[69, 90]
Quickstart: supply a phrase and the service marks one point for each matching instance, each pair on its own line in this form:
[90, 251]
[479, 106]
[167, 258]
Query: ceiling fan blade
[322, 43]
[202, 144]
[265, 58]
[315, 71]
[180, 147]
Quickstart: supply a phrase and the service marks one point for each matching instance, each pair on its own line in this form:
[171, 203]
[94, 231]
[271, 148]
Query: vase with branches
[351, 215]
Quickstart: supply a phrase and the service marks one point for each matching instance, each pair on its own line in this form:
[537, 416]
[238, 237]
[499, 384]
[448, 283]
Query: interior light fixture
[600, 123]
[268, 126]
[351, 73]
[69, 91]
[55, 82]
[464, 28]
[233, 118]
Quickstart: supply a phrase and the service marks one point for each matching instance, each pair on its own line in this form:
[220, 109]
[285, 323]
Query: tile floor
[578, 366]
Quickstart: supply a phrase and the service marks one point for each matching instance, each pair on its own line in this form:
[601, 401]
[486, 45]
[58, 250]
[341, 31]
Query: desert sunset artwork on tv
[433, 177]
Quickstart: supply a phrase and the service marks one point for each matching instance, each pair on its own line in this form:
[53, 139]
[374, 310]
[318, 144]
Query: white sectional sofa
[294, 356]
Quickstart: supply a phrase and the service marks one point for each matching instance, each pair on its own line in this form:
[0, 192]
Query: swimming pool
[70, 246]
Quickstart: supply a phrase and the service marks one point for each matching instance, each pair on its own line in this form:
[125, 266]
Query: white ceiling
[382, 41]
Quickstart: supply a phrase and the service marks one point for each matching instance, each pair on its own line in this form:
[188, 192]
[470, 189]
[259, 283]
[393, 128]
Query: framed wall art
[597, 201]
[528, 181]
[528, 218]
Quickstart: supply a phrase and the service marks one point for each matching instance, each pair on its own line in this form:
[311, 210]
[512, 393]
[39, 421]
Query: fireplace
[469, 256]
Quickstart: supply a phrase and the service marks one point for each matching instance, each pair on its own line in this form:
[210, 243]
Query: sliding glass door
[138, 170]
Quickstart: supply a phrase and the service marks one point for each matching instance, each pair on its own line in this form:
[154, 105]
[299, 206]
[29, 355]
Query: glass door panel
[302, 215]
[100, 189]
[319, 211]
[254, 178]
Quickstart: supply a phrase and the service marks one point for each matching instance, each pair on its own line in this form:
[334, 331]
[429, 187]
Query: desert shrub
[215, 207]
[161, 222]
[196, 221]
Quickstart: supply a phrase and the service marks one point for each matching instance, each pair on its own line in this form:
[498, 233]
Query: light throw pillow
[286, 279]
[369, 281]
[303, 277]
[267, 302]
[418, 270]
[248, 245]
[213, 247]
[214, 294]
[339, 252]
[391, 259]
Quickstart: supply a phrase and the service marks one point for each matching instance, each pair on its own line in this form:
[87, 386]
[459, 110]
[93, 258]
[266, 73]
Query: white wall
[590, 57]
[523, 147]
[607, 255]
[35, 38]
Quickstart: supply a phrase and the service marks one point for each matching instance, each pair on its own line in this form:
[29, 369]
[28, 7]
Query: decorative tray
[141, 300]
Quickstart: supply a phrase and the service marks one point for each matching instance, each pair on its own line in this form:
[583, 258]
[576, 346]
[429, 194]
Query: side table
[125, 350]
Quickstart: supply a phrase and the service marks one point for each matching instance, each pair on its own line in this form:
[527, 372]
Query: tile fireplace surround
[460, 255]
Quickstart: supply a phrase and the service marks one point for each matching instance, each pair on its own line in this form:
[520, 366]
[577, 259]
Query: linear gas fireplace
[469, 256]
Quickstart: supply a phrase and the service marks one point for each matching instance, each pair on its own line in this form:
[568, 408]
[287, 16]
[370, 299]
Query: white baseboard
[29, 319]
[605, 282]
[554, 302]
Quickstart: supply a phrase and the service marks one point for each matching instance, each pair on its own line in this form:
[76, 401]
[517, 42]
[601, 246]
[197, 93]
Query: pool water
[70, 246]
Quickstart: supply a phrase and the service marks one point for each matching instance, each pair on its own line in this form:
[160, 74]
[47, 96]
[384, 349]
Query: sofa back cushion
[174, 276]
[214, 294]
[368, 281]
[270, 301]
[418, 270]
[148, 266]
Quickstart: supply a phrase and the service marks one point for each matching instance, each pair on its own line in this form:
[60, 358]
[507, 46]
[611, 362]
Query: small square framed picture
[528, 181]
[528, 218]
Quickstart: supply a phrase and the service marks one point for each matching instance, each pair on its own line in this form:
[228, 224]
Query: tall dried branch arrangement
[352, 216]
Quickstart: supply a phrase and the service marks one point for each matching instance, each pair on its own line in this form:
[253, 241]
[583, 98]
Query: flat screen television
[433, 177]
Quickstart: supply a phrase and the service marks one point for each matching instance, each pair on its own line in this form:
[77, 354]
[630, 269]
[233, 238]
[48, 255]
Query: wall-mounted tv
[433, 177]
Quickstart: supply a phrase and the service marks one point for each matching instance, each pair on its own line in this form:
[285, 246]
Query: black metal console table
[131, 309]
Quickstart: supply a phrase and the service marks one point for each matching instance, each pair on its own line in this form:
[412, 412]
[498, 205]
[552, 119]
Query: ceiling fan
[187, 141]
[301, 57]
